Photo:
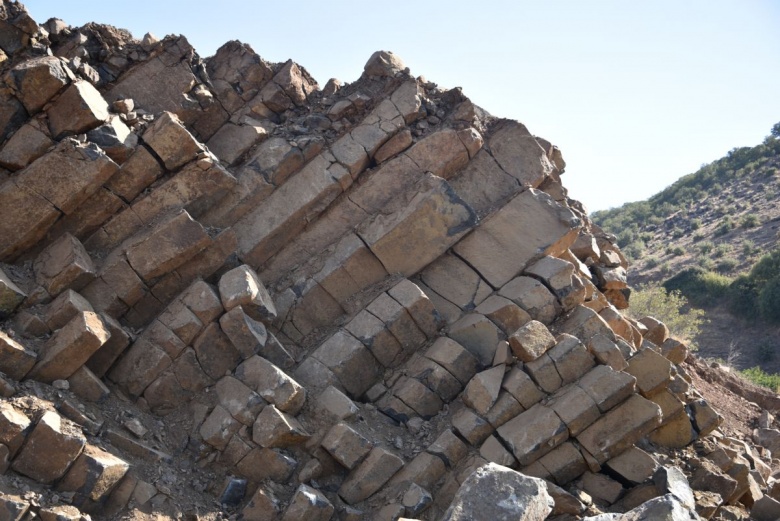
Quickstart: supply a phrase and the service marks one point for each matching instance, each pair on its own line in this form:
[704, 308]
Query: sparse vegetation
[760, 377]
[671, 308]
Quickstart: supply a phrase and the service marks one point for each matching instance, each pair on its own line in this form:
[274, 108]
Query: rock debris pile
[228, 292]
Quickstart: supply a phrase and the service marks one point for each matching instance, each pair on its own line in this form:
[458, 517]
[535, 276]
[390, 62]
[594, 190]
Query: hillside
[719, 220]
[228, 292]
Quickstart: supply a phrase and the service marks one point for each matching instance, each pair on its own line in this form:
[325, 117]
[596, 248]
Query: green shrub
[671, 308]
[706, 247]
[698, 236]
[677, 251]
[651, 262]
[759, 377]
[749, 248]
[695, 224]
[769, 301]
[750, 221]
[699, 286]
[742, 297]
[725, 227]
[720, 251]
[726, 265]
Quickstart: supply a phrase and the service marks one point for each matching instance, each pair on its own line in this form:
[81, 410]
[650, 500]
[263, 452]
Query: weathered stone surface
[634, 465]
[93, 474]
[272, 384]
[25, 146]
[418, 397]
[428, 223]
[371, 331]
[275, 428]
[171, 244]
[383, 63]
[441, 153]
[620, 428]
[559, 275]
[219, 427]
[454, 358]
[78, 109]
[346, 445]
[651, 370]
[10, 296]
[487, 491]
[102, 360]
[419, 307]
[765, 509]
[519, 154]
[522, 388]
[543, 372]
[37, 80]
[378, 467]
[64, 308]
[239, 400]
[399, 322]
[84, 384]
[529, 226]
[564, 463]
[50, 449]
[64, 264]
[705, 418]
[15, 360]
[455, 281]
[115, 138]
[607, 387]
[171, 141]
[575, 407]
[478, 334]
[607, 352]
[70, 347]
[14, 427]
[533, 433]
[531, 341]
[482, 391]
[471, 427]
[508, 316]
[13, 508]
[492, 450]
[354, 365]
[533, 297]
[308, 504]
[434, 377]
[241, 287]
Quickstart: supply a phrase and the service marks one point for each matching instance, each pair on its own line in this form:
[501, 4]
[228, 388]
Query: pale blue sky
[636, 94]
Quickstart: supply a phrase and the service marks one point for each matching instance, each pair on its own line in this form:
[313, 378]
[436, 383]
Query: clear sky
[636, 94]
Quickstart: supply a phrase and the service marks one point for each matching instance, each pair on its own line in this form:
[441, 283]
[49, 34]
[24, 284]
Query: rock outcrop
[363, 300]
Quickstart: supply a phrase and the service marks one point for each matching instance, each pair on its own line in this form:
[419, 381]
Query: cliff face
[343, 299]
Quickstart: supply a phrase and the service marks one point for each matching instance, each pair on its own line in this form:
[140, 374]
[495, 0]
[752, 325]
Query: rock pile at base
[365, 301]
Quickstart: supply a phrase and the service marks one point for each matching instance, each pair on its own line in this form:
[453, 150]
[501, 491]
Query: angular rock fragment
[50, 449]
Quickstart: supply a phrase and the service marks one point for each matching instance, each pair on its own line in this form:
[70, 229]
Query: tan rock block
[607, 352]
[454, 358]
[183, 322]
[507, 315]
[454, 280]
[707, 477]
[607, 387]
[434, 377]
[354, 365]
[505, 408]
[171, 244]
[165, 394]
[533, 297]
[575, 407]
[584, 323]
[418, 397]
[216, 353]
[620, 428]
[425, 470]
[15, 360]
[123, 281]
[346, 445]
[272, 384]
[601, 487]
[534, 433]
[651, 370]
[13, 508]
[60, 513]
[634, 465]
[483, 184]
[140, 170]
[471, 427]
[87, 386]
[371, 331]
[393, 146]
[263, 506]
[262, 463]
[529, 226]
[479, 335]
[522, 388]
[543, 372]
[705, 418]
[398, 321]
[336, 404]
[519, 154]
[14, 427]
[565, 463]
[241, 287]
[80, 108]
[368, 478]
[218, 428]
[674, 350]
[531, 341]
[308, 503]
[239, 400]
[275, 428]
[676, 432]
[442, 153]
[70, 347]
[449, 448]
[51, 448]
[247, 335]
[10, 296]
[493, 450]
[559, 275]
[232, 141]
[482, 390]
[571, 358]
[27, 218]
[172, 143]
[37, 80]
[64, 308]
[419, 307]
[429, 219]
[64, 264]
[93, 474]
[143, 362]
[189, 373]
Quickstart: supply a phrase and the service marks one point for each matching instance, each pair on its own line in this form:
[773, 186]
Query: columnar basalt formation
[352, 297]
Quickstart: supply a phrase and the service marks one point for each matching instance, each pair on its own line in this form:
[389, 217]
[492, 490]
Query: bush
[695, 224]
[725, 227]
[764, 379]
[750, 221]
[766, 352]
[720, 251]
[769, 301]
[726, 265]
[743, 297]
[677, 251]
[652, 262]
[706, 247]
[699, 286]
[671, 308]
